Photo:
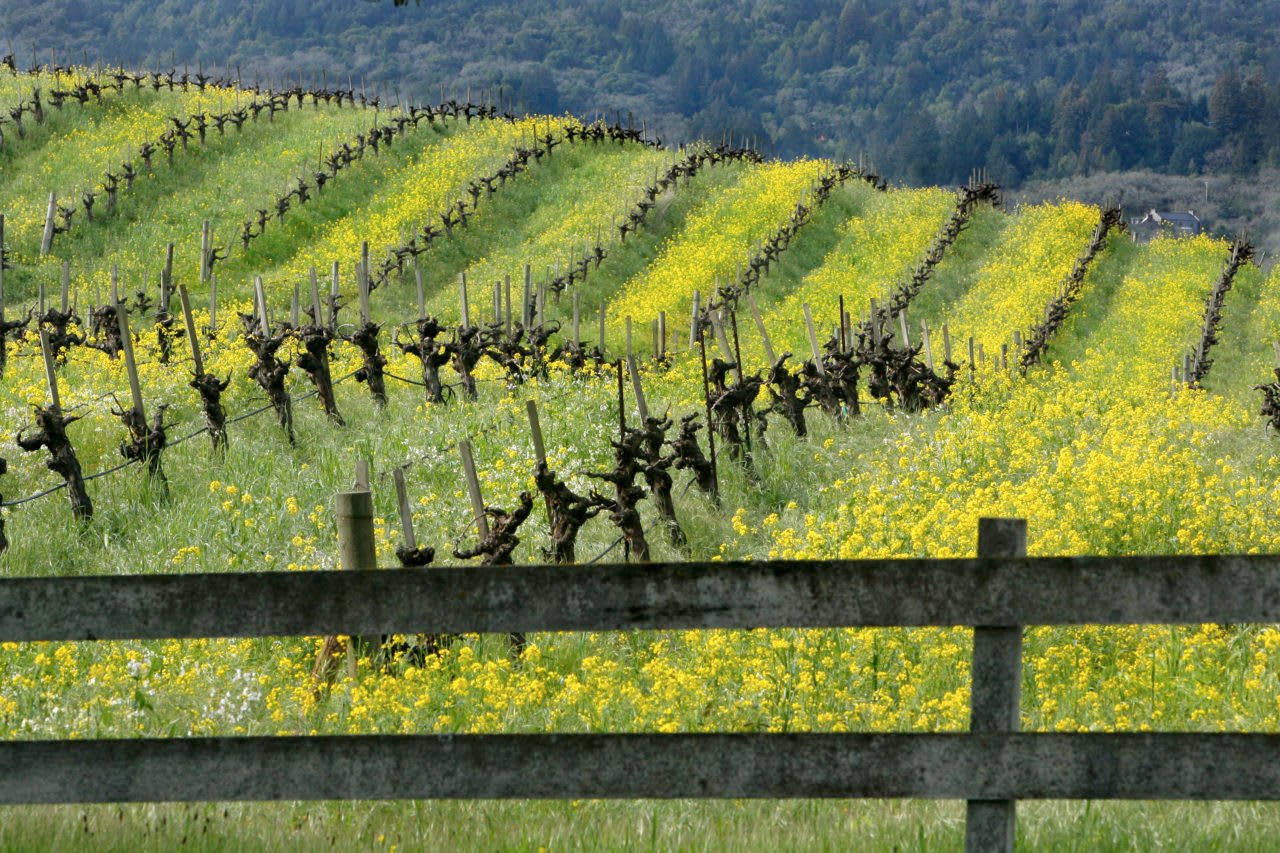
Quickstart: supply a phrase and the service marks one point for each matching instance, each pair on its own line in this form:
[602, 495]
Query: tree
[1226, 103]
[1163, 107]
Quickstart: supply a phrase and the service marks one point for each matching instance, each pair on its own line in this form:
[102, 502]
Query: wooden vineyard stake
[566, 510]
[51, 434]
[1004, 356]
[316, 338]
[641, 406]
[764, 333]
[66, 286]
[294, 306]
[46, 242]
[166, 278]
[131, 367]
[406, 515]
[495, 548]
[693, 321]
[50, 375]
[706, 397]
[209, 387]
[204, 252]
[506, 303]
[622, 404]
[473, 488]
[497, 303]
[844, 325]
[662, 335]
[147, 444]
[365, 338]
[422, 294]
[813, 340]
[973, 363]
[540, 455]
[362, 288]
[462, 297]
[628, 350]
[535, 431]
[334, 283]
[577, 321]
[212, 331]
[526, 305]
[260, 300]
[653, 339]
[946, 342]
[409, 554]
[317, 315]
[928, 349]
[875, 323]
[902, 327]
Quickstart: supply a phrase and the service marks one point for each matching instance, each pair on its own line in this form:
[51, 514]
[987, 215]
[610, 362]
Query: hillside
[1099, 443]
[928, 91]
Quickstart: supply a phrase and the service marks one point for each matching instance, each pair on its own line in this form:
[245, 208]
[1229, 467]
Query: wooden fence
[992, 766]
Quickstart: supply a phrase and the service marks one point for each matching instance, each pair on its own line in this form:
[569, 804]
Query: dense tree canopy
[928, 90]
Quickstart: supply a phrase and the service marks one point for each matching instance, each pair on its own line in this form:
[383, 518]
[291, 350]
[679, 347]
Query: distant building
[1170, 224]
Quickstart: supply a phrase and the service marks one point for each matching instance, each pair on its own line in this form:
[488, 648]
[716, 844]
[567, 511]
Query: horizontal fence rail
[831, 593]
[991, 766]
[661, 766]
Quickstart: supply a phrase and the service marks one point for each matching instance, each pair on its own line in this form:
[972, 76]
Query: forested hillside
[928, 90]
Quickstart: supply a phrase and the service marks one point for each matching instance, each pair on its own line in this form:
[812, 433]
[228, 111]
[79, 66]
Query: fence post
[356, 546]
[996, 689]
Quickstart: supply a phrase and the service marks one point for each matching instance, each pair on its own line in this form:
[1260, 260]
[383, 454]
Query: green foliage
[1028, 90]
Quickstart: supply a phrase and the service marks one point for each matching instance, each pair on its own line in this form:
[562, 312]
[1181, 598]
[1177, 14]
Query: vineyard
[548, 339]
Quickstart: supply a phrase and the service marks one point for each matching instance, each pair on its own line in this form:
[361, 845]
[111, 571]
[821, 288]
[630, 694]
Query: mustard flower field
[1103, 446]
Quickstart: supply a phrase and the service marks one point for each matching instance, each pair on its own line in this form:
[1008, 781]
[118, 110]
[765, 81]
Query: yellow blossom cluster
[877, 250]
[717, 241]
[419, 193]
[1016, 285]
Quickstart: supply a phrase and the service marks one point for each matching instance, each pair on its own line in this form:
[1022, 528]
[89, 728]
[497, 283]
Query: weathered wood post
[204, 252]
[46, 241]
[357, 549]
[996, 689]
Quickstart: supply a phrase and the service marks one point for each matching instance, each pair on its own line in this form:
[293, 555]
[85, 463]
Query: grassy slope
[794, 477]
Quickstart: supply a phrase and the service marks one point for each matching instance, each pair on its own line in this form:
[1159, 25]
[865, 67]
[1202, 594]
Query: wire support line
[201, 431]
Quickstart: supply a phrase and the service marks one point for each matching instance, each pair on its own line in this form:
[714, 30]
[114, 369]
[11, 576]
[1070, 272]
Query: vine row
[1055, 314]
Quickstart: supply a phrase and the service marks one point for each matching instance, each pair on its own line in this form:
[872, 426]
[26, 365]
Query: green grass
[896, 679]
[871, 825]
